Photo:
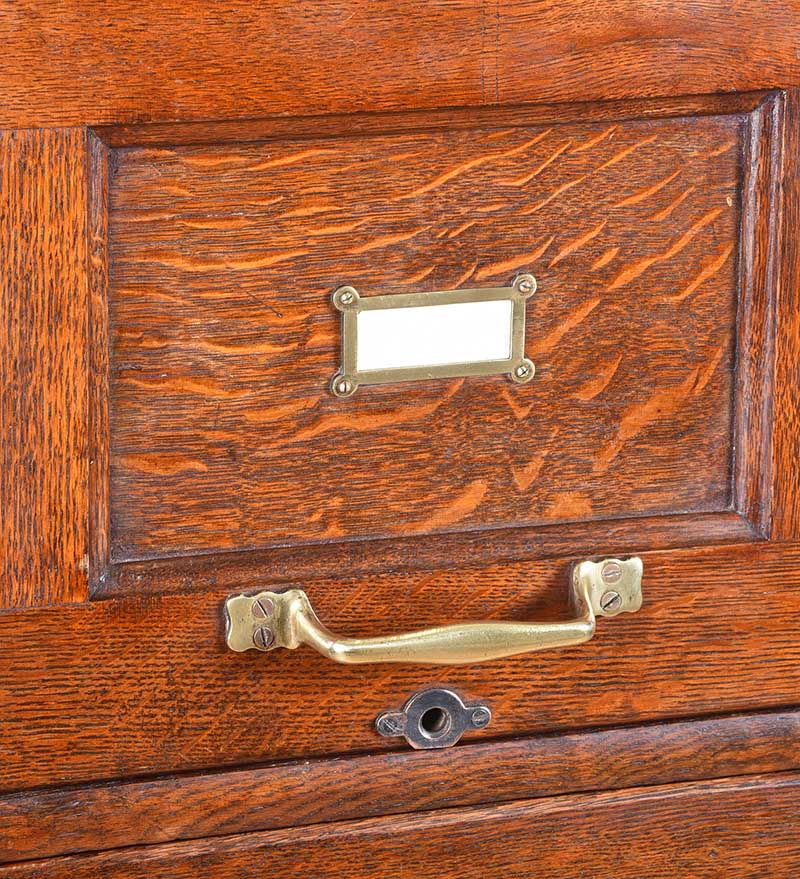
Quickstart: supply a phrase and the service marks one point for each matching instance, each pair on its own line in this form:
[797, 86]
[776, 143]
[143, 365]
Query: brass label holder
[516, 365]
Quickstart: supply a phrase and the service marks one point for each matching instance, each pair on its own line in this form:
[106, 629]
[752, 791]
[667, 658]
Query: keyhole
[434, 722]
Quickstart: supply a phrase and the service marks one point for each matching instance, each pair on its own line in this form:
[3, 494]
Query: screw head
[262, 608]
[523, 371]
[526, 284]
[344, 297]
[342, 386]
[389, 725]
[481, 716]
[263, 637]
[611, 601]
[611, 572]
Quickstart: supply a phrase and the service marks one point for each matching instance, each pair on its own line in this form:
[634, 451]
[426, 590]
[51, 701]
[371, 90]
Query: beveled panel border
[241, 570]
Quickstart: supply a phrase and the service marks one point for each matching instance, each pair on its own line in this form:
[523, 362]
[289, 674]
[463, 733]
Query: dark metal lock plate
[435, 718]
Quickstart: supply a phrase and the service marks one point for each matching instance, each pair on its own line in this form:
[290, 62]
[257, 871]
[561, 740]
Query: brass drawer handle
[270, 620]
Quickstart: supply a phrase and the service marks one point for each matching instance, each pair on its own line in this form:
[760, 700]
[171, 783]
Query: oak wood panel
[786, 442]
[240, 570]
[236, 131]
[707, 830]
[760, 261]
[126, 63]
[44, 195]
[97, 349]
[224, 340]
[48, 823]
[146, 684]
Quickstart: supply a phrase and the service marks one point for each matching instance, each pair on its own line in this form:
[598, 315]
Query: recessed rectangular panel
[223, 258]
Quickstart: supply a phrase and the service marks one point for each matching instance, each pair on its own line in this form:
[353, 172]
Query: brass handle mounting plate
[269, 620]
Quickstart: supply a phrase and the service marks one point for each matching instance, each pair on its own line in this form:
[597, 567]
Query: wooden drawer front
[745, 828]
[224, 435]
[168, 439]
[139, 812]
[145, 685]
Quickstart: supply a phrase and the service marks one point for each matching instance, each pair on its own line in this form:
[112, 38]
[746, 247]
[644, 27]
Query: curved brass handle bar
[270, 620]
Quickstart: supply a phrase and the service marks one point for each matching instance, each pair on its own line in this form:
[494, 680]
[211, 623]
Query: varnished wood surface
[224, 339]
[48, 823]
[138, 62]
[239, 570]
[786, 446]
[142, 684]
[235, 131]
[759, 269]
[43, 388]
[97, 353]
[745, 828]
[146, 685]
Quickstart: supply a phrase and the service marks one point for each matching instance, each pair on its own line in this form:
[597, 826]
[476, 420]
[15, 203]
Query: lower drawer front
[116, 689]
[741, 827]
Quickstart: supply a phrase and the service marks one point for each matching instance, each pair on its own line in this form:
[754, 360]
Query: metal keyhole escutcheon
[435, 718]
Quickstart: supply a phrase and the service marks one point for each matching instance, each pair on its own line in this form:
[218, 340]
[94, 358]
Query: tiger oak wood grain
[97, 348]
[47, 823]
[785, 460]
[760, 263]
[743, 827]
[44, 193]
[142, 62]
[233, 131]
[224, 340]
[141, 684]
[240, 570]
[146, 685]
